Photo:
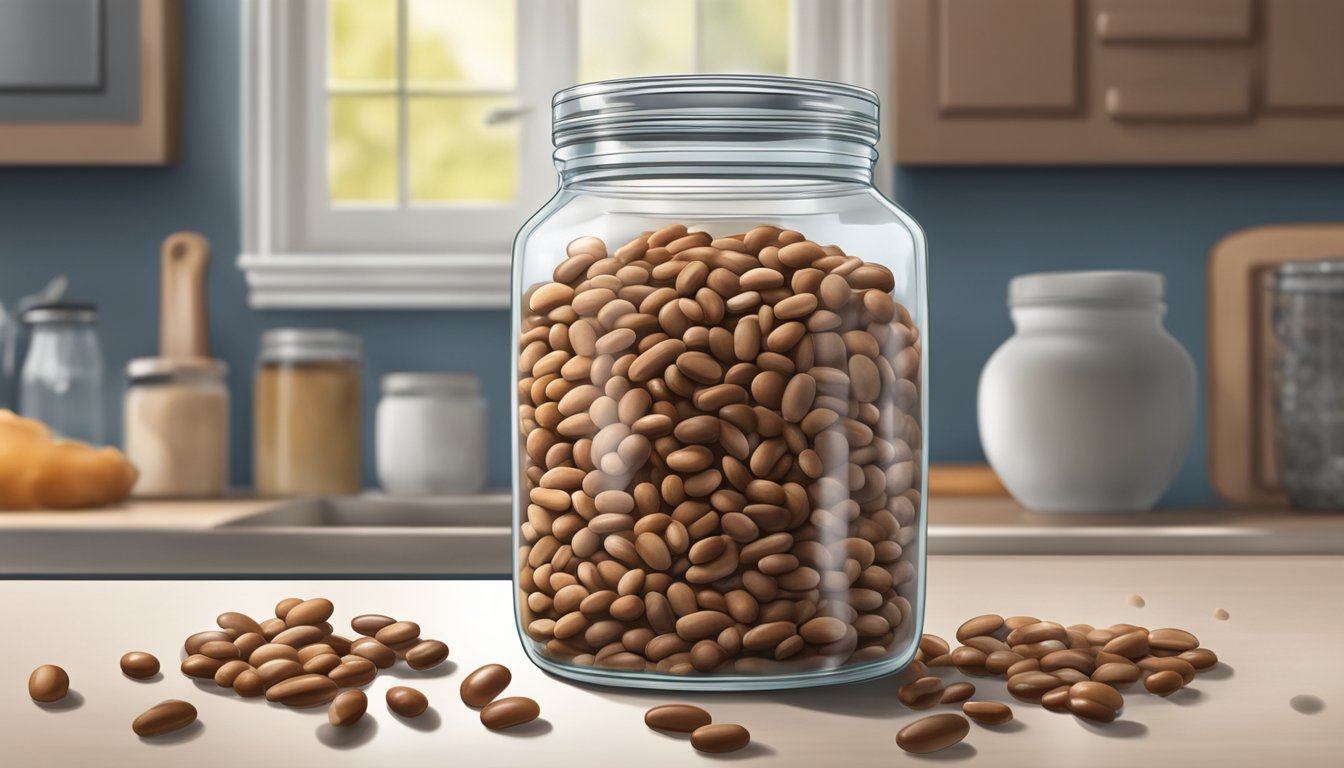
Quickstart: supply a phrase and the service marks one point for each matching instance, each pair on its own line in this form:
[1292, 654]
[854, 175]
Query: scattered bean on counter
[483, 685]
[164, 717]
[347, 708]
[507, 713]
[48, 683]
[406, 701]
[139, 665]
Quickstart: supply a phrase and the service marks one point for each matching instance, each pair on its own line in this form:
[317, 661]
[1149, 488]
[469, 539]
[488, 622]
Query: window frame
[392, 259]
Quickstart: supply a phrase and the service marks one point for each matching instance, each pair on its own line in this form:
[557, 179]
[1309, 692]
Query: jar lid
[1117, 287]
[737, 107]
[1323, 276]
[460, 384]
[141, 368]
[309, 345]
[69, 312]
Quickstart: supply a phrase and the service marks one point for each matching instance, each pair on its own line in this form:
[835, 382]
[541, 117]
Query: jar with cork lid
[307, 413]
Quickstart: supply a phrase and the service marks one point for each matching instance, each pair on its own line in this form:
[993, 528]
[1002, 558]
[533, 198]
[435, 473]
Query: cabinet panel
[1008, 56]
[1304, 54]
[1205, 83]
[1150, 21]
[1088, 82]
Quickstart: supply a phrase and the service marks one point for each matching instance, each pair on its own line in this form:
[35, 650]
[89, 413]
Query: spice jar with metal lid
[176, 426]
[307, 413]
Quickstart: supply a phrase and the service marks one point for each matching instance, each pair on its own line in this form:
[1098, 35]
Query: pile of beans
[1078, 669]
[296, 658]
[721, 455]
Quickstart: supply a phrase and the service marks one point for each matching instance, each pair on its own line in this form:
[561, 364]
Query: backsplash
[103, 227]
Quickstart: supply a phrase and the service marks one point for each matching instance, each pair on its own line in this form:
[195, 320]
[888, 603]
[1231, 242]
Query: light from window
[416, 88]
[629, 38]
[410, 85]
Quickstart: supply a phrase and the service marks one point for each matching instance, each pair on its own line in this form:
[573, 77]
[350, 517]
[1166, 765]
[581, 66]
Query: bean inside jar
[717, 450]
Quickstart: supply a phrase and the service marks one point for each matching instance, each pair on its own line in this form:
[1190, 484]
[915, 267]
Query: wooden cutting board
[1243, 457]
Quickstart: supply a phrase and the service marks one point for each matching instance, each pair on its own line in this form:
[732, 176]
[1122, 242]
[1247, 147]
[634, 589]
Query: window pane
[626, 38]
[362, 148]
[744, 36]
[466, 43]
[455, 156]
[362, 43]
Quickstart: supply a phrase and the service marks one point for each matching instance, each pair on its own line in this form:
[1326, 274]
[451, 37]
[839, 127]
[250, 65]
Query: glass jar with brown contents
[719, 329]
[307, 413]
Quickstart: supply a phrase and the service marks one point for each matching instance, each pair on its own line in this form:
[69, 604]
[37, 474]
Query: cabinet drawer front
[1165, 21]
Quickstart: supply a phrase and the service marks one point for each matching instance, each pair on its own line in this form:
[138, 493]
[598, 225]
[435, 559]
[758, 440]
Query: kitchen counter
[470, 535]
[1277, 645]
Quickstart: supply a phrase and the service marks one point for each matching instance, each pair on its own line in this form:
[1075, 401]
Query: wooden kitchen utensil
[183, 328]
[964, 480]
[1243, 455]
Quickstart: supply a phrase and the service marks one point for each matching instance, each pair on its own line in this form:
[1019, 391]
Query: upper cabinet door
[1119, 82]
[89, 82]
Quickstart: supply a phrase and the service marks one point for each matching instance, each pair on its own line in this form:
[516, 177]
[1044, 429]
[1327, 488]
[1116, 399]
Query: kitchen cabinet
[89, 82]
[1119, 82]
[1238, 714]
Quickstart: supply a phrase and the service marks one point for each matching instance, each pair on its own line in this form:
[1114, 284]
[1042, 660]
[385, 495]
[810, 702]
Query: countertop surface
[1279, 643]
[378, 535]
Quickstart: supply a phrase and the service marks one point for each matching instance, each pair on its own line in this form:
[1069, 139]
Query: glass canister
[61, 383]
[176, 426]
[719, 401]
[430, 434]
[307, 413]
[1309, 381]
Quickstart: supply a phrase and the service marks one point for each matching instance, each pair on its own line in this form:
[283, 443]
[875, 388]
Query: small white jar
[430, 434]
[1090, 405]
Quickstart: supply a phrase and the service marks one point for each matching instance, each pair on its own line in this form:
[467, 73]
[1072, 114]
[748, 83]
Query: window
[393, 147]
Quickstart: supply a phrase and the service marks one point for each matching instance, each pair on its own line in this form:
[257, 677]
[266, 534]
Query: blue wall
[104, 226]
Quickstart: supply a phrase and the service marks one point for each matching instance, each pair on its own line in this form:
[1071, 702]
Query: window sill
[376, 281]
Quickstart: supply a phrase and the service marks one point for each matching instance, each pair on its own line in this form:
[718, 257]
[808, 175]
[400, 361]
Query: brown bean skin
[303, 691]
[509, 712]
[426, 654]
[239, 622]
[48, 683]
[1164, 683]
[932, 733]
[347, 708]
[677, 718]
[164, 717]
[484, 684]
[309, 612]
[368, 624]
[406, 701]
[139, 665]
[720, 738]
[397, 633]
[987, 712]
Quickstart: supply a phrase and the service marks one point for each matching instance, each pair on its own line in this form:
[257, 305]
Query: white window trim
[844, 40]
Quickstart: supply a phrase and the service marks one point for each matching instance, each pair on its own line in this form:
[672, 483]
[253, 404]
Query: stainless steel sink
[377, 511]
[323, 536]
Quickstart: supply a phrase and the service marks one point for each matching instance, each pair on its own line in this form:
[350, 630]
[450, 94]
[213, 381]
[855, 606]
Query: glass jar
[1090, 405]
[307, 413]
[61, 384]
[1309, 381]
[720, 443]
[430, 434]
[176, 426]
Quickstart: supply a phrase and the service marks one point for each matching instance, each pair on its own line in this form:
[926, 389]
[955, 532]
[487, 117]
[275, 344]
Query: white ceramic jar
[430, 434]
[1090, 405]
